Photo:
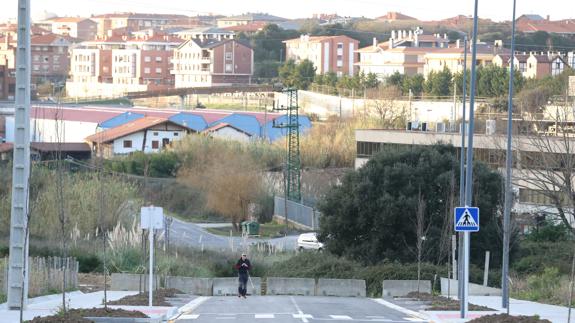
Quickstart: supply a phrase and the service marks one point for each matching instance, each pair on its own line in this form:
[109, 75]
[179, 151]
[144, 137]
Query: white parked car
[309, 241]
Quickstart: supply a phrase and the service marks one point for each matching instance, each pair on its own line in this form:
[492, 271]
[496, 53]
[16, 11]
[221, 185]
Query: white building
[228, 132]
[571, 59]
[148, 134]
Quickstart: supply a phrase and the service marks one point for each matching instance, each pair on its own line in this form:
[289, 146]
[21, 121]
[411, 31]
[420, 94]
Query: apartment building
[203, 33]
[403, 53]
[50, 58]
[112, 66]
[82, 28]
[453, 58]
[249, 18]
[335, 54]
[7, 82]
[212, 62]
[133, 21]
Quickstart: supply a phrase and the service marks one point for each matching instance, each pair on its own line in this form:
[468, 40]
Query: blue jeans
[243, 288]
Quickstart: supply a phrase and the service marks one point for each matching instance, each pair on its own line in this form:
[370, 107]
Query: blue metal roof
[244, 122]
[120, 120]
[193, 121]
[271, 133]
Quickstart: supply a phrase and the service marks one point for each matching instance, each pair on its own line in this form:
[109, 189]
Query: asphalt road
[192, 235]
[291, 309]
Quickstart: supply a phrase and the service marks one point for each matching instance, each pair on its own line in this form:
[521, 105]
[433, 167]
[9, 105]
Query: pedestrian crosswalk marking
[340, 317]
[264, 316]
[189, 316]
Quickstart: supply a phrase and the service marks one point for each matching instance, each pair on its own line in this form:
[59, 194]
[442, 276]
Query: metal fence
[297, 213]
[46, 275]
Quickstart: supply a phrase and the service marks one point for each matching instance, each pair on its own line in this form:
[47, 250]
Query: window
[229, 68]
[146, 70]
[155, 133]
[36, 58]
[147, 59]
[158, 70]
[228, 56]
[176, 134]
[339, 63]
[158, 58]
[155, 144]
[127, 144]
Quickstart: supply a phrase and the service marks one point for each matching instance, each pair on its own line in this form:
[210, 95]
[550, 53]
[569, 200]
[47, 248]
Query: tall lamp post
[508, 174]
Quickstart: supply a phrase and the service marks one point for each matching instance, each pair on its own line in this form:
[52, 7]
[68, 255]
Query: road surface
[291, 309]
[192, 235]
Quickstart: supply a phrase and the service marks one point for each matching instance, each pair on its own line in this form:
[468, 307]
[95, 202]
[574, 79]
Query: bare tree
[386, 105]
[60, 200]
[422, 226]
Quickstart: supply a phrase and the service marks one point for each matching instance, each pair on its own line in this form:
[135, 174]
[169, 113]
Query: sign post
[466, 221]
[151, 218]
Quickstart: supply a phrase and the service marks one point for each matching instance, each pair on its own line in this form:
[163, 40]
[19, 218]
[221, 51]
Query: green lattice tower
[293, 160]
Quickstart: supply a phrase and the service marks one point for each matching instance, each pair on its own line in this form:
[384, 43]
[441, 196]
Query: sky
[422, 9]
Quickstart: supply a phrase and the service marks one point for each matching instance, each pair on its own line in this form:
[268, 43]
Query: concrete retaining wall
[290, 286]
[191, 285]
[131, 282]
[341, 287]
[229, 286]
[474, 289]
[403, 287]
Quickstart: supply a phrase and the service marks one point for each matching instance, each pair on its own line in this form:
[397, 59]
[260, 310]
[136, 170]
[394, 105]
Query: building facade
[133, 21]
[248, 19]
[50, 57]
[453, 58]
[336, 54]
[534, 65]
[212, 62]
[112, 66]
[82, 28]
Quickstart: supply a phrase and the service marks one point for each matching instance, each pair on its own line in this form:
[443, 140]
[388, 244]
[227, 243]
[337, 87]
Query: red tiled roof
[68, 19]
[395, 16]
[126, 129]
[317, 39]
[553, 27]
[132, 15]
[48, 39]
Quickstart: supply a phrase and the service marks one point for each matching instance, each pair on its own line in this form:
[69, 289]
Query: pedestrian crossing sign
[467, 219]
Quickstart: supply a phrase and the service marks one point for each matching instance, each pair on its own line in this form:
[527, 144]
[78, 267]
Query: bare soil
[141, 299]
[89, 283]
[440, 303]
[78, 315]
[504, 318]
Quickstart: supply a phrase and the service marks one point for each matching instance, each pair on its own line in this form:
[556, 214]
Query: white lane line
[413, 319]
[226, 318]
[189, 317]
[300, 314]
[265, 316]
[416, 315]
[340, 317]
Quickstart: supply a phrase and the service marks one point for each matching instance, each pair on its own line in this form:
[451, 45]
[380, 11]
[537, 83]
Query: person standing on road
[243, 266]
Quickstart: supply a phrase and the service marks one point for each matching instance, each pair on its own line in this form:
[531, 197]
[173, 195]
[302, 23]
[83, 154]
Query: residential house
[396, 17]
[228, 132]
[133, 21]
[112, 66]
[203, 33]
[148, 134]
[403, 53]
[212, 62]
[335, 54]
[535, 23]
[249, 18]
[534, 65]
[77, 27]
[453, 58]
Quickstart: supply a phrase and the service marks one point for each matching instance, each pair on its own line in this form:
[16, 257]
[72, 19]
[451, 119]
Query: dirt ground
[440, 303]
[77, 315]
[88, 283]
[141, 299]
[504, 318]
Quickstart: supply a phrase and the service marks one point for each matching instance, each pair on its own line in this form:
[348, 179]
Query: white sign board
[571, 85]
[152, 216]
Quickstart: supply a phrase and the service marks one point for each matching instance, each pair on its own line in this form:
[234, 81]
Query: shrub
[89, 263]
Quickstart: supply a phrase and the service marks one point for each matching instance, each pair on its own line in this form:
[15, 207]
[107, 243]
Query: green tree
[371, 81]
[395, 79]
[439, 83]
[304, 74]
[413, 83]
[369, 216]
[287, 73]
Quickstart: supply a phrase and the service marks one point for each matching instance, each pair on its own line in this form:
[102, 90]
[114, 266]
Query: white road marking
[413, 319]
[300, 314]
[340, 317]
[189, 317]
[190, 307]
[265, 316]
[417, 316]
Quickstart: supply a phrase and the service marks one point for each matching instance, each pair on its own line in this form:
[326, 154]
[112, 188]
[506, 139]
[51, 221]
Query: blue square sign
[466, 219]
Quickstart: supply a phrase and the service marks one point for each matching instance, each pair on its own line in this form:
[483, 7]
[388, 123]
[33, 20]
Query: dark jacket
[243, 266]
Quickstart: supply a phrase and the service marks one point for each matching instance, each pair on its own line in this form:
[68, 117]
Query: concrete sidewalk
[553, 313]
[48, 305]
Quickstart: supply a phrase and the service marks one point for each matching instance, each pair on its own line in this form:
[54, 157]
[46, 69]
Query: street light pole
[462, 168]
[469, 170]
[508, 174]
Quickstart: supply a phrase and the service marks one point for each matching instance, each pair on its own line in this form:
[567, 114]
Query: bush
[534, 257]
[549, 232]
[546, 287]
[89, 263]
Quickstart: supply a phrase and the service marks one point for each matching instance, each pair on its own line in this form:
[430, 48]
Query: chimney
[416, 41]
[391, 43]
[393, 34]
[411, 34]
[444, 36]
[548, 17]
[404, 34]
[374, 43]
[458, 43]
